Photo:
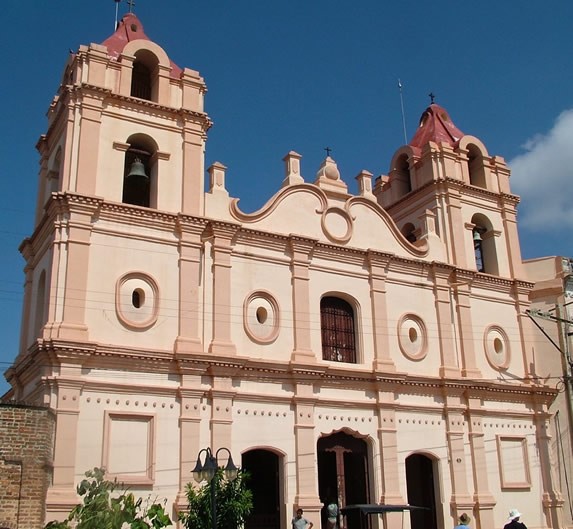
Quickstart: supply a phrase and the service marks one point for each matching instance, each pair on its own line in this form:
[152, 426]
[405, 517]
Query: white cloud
[543, 177]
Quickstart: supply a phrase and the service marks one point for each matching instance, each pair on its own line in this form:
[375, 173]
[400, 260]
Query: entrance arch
[420, 483]
[343, 472]
[263, 466]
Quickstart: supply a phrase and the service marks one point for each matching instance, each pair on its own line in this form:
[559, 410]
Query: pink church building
[368, 348]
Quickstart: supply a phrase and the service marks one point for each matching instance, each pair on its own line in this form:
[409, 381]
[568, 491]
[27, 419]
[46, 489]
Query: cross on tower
[328, 151]
[131, 4]
[432, 97]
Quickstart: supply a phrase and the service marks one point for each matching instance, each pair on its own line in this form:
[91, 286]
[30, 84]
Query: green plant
[234, 502]
[99, 510]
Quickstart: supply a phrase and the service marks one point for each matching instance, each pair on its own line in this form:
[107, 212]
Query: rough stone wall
[26, 447]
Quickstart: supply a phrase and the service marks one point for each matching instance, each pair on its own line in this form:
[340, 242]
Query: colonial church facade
[368, 348]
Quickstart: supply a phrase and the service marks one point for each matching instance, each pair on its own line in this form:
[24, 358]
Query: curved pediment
[306, 210]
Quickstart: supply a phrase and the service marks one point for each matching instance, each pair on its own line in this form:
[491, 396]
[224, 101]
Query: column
[301, 250]
[72, 268]
[378, 269]
[461, 286]
[460, 501]
[189, 338]
[483, 498]
[190, 394]
[520, 294]
[62, 493]
[222, 248]
[551, 497]
[449, 367]
[192, 178]
[89, 138]
[306, 463]
[388, 439]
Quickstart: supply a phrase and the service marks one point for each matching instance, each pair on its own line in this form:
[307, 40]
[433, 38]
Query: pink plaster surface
[129, 29]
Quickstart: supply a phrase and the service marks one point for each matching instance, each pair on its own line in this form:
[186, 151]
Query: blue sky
[307, 74]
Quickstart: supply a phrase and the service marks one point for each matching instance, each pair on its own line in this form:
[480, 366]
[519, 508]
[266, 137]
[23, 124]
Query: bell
[137, 171]
[477, 236]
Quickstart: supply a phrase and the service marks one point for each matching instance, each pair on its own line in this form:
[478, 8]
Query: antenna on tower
[116, 8]
[403, 114]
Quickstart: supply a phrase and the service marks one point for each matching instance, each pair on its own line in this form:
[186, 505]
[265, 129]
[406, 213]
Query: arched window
[408, 231]
[338, 330]
[475, 167]
[484, 245]
[402, 177]
[139, 170]
[144, 76]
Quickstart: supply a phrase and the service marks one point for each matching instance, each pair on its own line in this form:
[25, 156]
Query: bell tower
[452, 175]
[118, 226]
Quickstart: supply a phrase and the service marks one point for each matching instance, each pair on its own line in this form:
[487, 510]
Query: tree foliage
[101, 509]
[234, 502]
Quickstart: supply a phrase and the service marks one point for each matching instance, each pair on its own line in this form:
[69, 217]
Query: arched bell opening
[483, 239]
[476, 167]
[144, 76]
[409, 232]
[138, 171]
[402, 177]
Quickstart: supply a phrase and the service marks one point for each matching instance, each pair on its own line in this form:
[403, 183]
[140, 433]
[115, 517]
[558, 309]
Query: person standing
[299, 522]
[332, 515]
[513, 520]
[463, 522]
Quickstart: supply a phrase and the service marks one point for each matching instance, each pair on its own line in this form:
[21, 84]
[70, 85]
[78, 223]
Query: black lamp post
[206, 472]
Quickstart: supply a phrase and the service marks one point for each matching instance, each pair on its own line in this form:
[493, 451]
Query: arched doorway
[263, 466]
[421, 491]
[343, 473]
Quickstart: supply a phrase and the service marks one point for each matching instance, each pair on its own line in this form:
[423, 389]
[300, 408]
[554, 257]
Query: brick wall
[26, 446]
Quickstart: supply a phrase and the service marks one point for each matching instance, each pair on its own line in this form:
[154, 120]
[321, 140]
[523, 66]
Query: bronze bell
[137, 171]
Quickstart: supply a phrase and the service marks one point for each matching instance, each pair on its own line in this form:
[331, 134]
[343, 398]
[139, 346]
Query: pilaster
[62, 493]
[388, 440]
[71, 259]
[449, 366]
[91, 107]
[222, 249]
[551, 498]
[301, 251]
[378, 270]
[483, 498]
[305, 452]
[461, 500]
[461, 286]
[189, 338]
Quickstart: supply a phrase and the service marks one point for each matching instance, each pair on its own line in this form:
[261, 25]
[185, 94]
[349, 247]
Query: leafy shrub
[99, 510]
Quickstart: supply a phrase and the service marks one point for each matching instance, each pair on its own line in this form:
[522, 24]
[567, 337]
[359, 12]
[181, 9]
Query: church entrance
[263, 466]
[421, 491]
[343, 474]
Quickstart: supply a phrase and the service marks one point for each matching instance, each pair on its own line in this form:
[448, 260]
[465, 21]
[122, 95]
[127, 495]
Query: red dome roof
[130, 28]
[436, 125]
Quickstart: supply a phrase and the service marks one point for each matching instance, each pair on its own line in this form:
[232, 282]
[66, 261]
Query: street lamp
[206, 472]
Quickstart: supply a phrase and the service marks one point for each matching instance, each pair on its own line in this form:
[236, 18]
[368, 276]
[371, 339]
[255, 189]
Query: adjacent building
[369, 347]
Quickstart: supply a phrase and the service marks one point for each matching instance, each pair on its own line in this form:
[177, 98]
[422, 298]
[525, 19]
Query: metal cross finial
[131, 4]
[432, 97]
[328, 151]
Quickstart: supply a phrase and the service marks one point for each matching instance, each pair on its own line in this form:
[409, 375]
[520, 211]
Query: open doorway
[420, 484]
[263, 466]
[343, 473]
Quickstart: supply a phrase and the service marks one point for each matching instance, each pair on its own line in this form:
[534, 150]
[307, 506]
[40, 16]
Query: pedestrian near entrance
[332, 515]
[513, 520]
[463, 522]
[300, 522]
